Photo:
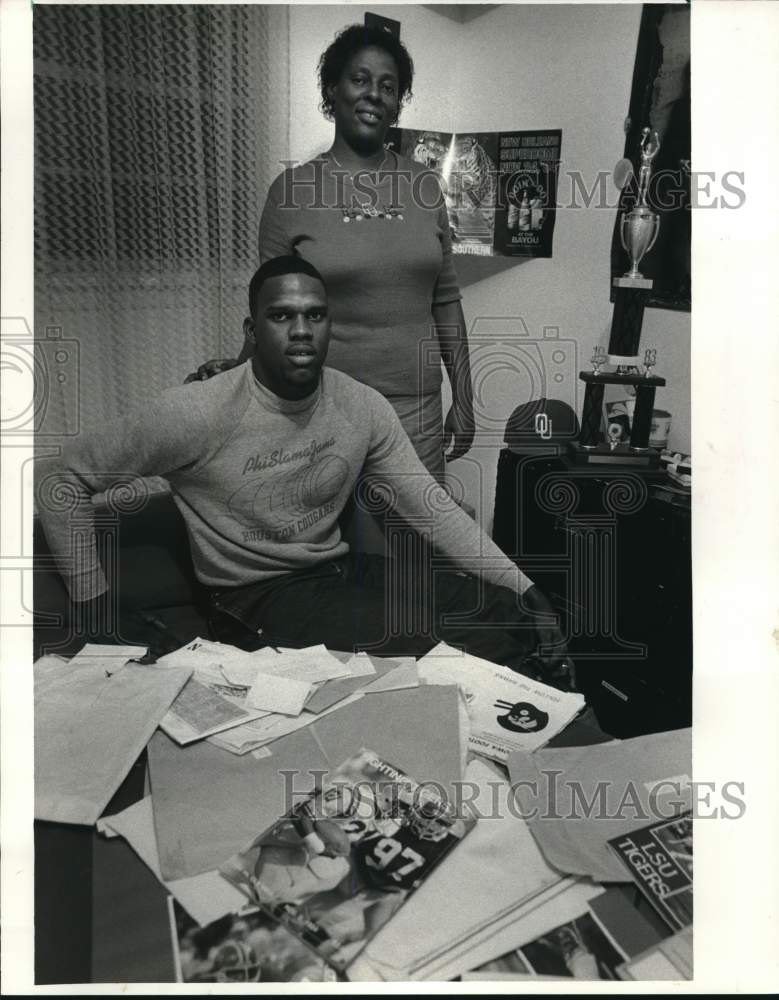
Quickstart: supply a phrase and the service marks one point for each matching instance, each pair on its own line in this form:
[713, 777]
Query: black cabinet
[613, 553]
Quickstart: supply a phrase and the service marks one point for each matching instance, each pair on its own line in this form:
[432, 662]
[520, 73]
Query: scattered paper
[208, 804]
[205, 897]
[117, 655]
[314, 663]
[283, 695]
[403, 676]
[598, 793]
[90, 727]
[508, 711]
[200, 652]
[253, 735]
[360, 665]
[199, 711]
[496, 870]
[48, 670]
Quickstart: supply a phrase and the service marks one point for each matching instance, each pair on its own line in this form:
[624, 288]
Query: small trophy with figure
[640, 226]
[598, 359]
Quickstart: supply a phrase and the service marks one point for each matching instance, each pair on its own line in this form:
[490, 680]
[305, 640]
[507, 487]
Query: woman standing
[375, 225]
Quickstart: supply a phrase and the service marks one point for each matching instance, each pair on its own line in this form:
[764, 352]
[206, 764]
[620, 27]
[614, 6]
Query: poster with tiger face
[500, 187]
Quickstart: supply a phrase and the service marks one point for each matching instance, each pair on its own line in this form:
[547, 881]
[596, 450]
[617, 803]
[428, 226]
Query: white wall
[519, 67]
[431, 39]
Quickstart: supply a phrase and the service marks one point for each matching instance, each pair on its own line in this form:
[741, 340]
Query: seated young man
[261, 461]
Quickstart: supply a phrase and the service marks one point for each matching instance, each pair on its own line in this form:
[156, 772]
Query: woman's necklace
[356, 210]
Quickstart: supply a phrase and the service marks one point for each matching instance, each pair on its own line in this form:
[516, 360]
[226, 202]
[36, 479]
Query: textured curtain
[157, 132]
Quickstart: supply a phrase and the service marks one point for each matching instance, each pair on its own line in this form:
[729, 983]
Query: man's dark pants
[386, 607]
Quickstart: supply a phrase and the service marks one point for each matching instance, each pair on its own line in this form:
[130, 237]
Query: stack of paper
[92, 720]
[232, 690]
[496, 877]
[200, 711]
[591, 943]
[508, 711]
[345, 682]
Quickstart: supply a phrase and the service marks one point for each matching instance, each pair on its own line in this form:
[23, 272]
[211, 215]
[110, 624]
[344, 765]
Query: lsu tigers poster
[500, 187]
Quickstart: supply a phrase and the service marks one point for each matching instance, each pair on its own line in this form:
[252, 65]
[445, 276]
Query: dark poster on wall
[500, 187]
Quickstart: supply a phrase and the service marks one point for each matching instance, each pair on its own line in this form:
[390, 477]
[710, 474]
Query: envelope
[90, 726]
[337, 690]
[209, 804]
[578, 798]
[205, 897]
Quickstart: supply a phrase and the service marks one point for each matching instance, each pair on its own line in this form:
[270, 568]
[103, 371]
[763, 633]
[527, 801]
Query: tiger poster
[500, 187]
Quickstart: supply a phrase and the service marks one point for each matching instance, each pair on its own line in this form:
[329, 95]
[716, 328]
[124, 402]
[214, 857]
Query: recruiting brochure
[659, 859]
[340, 863]
[500, 187]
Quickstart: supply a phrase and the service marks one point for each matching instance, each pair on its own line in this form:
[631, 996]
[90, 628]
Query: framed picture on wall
[660, 99]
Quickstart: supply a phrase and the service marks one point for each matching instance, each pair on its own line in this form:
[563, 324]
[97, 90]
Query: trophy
[639, 227]
[598, 359]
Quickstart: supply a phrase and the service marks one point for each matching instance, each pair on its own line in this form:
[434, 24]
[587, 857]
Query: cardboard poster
[500, 187]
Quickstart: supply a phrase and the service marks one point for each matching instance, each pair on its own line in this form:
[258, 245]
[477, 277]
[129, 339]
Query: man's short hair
[275, 268]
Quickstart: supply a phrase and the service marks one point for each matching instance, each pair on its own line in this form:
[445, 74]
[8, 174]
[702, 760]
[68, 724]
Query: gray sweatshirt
[259, 480]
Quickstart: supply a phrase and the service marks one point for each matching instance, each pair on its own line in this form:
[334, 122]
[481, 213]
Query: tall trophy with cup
[639, 227]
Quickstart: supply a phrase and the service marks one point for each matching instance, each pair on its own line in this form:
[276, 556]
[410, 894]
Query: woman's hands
[458, 430]
[210, 368]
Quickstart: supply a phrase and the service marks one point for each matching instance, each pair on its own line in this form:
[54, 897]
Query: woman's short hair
[349, 42]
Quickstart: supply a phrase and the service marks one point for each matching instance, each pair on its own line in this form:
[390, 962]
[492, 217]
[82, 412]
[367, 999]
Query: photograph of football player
[521, 717]
[299, 857]
[248, 947]
[386, 865]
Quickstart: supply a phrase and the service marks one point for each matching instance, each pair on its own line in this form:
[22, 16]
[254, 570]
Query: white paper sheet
[118, 654]
[360, 666]
[283, 695]
[253, 735]
[508, 710]
[550, 909]
[313, 663]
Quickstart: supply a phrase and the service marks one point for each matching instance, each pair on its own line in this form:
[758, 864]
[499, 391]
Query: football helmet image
[234, 962]
[344, 801]
[429, 820]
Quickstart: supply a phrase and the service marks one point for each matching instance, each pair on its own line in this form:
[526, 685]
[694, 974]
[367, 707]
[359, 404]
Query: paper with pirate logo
[508, 711]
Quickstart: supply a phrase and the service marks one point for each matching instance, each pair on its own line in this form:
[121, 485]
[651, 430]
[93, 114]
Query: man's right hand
[211, 368]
